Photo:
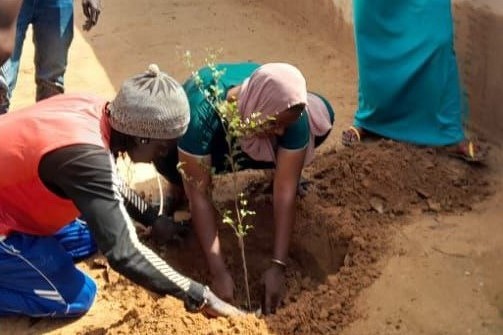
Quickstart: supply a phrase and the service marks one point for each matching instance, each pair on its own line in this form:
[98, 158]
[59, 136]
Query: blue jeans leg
[38, 278]
[4, 91]
[10, 69]
[52, 37]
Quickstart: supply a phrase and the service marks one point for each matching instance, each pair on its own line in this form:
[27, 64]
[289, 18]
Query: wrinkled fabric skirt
[409, 88]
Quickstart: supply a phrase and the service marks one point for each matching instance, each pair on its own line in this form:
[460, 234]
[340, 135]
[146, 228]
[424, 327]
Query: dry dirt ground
[391, 239]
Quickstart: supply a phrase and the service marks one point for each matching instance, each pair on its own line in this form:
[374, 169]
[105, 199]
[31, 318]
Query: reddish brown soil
[357, 198]
[341, 240]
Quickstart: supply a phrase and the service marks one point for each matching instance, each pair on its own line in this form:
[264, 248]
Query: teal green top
[205, 134]
[409, 88]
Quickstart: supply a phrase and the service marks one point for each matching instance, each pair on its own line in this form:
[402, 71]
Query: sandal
[351, 136]
[468, 151]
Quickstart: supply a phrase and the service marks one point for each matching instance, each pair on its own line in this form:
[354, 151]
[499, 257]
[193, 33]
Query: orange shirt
[26, 205]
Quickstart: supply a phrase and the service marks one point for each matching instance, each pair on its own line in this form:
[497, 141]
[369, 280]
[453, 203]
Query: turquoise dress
[409, 88]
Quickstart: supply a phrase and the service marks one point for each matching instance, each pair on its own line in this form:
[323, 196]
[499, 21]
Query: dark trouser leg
[52, 36]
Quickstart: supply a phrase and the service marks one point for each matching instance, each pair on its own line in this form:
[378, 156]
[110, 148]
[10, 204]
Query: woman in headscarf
[409, 88]
[299, 121]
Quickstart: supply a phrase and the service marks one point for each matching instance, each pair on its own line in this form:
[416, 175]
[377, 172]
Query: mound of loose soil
[357, 198]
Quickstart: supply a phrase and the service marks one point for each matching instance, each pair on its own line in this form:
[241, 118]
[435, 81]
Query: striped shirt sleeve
[86, 174]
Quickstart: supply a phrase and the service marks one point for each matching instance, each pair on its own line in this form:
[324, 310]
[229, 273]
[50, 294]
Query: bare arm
[197, 184]
[288, 169]
[286, 178]
[9, 10]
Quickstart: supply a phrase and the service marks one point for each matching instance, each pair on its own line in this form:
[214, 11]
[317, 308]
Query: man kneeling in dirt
[57, 160]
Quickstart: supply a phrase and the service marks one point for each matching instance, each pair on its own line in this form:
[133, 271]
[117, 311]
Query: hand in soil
[217, 307]
[165, 229]
[274, 289]
[223, 286]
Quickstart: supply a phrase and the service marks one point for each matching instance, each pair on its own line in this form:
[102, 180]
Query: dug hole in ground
[391, 239]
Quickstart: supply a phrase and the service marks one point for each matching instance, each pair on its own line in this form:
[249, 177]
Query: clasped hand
[92, 10]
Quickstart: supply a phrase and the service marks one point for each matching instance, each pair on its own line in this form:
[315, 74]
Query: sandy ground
[430, 264]
[478, 42]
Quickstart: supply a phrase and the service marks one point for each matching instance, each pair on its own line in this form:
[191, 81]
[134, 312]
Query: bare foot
[468, 151]
[352, 135]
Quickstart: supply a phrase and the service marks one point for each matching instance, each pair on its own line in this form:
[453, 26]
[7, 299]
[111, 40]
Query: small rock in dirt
[359, 242]
[95, 331]
[357, 216]
[323, 288]
[306, 283]
[323, 314]
[348, 260]
[99, 263]
[111, 276]
[377, 204]
[333, 280]
[336, 307]
[423, 193]
[366, 183]
[416, 211]
[429, 165]
[434, 206]
[346, 232]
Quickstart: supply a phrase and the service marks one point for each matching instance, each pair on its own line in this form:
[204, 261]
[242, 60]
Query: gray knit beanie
[150, 105]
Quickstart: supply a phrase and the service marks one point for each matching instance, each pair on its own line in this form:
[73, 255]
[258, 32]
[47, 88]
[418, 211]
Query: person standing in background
[409, 87]
[52, 22]
[9, 11]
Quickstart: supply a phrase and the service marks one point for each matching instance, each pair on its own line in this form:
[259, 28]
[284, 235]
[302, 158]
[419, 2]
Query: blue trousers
[52, 22]
[38, 277]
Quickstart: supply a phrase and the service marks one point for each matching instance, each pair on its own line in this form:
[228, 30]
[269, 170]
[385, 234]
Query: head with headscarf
[150, 112]
[277, 90]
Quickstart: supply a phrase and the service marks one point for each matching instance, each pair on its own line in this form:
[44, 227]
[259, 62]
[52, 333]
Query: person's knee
[47, 303]
[84, 301]
[77, 305]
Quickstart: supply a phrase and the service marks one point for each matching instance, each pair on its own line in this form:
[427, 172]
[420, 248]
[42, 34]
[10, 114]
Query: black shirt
[86, 174]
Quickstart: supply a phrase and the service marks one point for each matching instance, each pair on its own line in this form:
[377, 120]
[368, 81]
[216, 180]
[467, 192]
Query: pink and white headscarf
[274, 88]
